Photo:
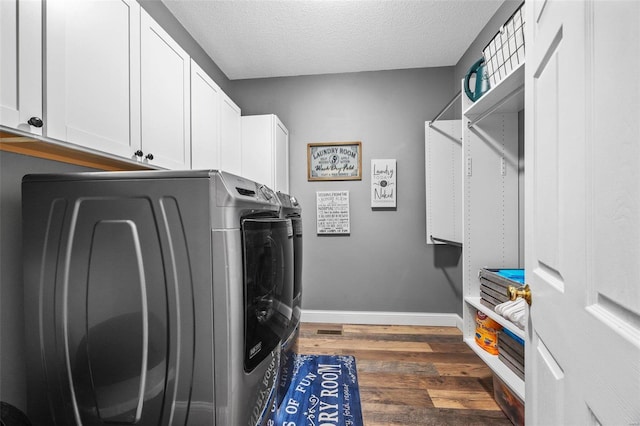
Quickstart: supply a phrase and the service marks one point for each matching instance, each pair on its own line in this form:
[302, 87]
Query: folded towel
[514, 311]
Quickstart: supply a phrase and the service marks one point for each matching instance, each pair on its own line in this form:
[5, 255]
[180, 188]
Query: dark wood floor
[411, 375]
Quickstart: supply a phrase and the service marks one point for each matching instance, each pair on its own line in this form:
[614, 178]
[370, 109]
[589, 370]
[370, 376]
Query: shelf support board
[18, 142]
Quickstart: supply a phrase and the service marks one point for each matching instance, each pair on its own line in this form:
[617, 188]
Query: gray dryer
[153, 298]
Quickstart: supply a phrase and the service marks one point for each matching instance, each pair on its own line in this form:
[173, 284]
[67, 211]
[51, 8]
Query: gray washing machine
[154, 298]
[291, 210]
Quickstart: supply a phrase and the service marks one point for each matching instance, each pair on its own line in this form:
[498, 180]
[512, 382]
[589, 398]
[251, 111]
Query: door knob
[138, 153]
[514, 292]
[149, 156]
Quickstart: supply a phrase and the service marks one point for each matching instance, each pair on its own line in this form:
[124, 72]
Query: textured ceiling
[268, 38]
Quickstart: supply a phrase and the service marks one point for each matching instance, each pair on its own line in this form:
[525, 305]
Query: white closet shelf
[508, 95]
[475, 302]
[516, 384]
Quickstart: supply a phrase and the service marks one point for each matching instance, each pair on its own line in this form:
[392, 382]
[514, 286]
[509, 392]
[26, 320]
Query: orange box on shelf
[487, 333]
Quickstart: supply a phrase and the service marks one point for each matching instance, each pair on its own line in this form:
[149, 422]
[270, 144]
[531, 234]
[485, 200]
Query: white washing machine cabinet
[154, 298]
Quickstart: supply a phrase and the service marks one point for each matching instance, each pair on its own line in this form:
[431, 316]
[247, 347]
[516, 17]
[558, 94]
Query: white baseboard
[382, 318]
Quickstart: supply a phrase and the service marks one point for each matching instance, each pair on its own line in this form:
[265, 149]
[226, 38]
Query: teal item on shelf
[482, 80]
[516, 275]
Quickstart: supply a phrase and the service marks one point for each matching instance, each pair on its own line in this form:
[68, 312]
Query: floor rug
[323, 391]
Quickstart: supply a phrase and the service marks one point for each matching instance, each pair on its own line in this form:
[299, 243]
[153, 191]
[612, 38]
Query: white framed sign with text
[383, 183]
[332, 212]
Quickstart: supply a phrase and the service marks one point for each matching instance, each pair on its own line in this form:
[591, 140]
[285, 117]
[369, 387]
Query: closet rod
[495, 107]
[442, 240]
[455, 98]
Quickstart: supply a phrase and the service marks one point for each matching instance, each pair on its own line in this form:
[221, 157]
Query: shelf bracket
[451, 102]
[491, 110]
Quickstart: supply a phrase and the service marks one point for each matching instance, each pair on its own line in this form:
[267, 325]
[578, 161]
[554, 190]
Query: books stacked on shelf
[494, 284]
[511, 351]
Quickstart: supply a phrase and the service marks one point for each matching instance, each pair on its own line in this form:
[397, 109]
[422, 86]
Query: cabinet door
[230, 136]
[265, 151]
[118, 343]
[21, 66]
[92, 77]
[257, 152]
[205, 120]
[281, 157]
[165, 98]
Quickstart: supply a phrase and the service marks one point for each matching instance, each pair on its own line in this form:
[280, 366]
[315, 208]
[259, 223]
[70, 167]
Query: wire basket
[506, 50]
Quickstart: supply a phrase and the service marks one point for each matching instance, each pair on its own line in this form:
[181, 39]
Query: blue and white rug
[323, 391]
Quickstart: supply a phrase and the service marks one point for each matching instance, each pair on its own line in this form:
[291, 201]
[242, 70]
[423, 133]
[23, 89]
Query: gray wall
[12, 369]
[384, 264]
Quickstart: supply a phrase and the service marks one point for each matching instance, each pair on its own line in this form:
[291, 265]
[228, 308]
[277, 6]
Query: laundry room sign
[334, 161]
[332, 212]
[383, 183]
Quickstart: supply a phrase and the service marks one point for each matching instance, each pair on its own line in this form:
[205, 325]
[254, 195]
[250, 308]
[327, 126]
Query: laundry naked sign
[383, 183]
[332, 212]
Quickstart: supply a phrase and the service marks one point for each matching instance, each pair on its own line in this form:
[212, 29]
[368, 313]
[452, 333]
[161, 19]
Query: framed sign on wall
[334, 161]
[383, 183]
[332, 215]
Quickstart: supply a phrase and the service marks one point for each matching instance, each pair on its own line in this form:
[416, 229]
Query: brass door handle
[514, 292]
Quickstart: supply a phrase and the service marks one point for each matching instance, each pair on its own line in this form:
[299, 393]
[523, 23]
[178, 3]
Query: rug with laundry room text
[323, 391]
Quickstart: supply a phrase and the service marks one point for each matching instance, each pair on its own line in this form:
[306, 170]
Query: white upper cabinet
[205, 120]
[165, 89]
[105, 77]
[21, 65]
[93, 74]
[230, 136]
[265, 151]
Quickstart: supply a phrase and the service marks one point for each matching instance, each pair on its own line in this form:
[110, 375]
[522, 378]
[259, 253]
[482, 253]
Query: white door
[93, 74]
[165, 80]
[21, 65]
[230, 136]
[205, 120]
[583, 212]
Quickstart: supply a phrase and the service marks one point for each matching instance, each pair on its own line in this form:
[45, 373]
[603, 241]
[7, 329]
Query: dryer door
[268, 285]
[110, 301]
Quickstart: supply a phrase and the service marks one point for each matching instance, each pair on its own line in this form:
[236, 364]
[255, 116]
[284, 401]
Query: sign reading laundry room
[334, 161]
[332, 216]
[383, 183]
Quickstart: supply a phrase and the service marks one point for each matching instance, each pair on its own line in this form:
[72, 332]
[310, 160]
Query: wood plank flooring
[411, 375]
